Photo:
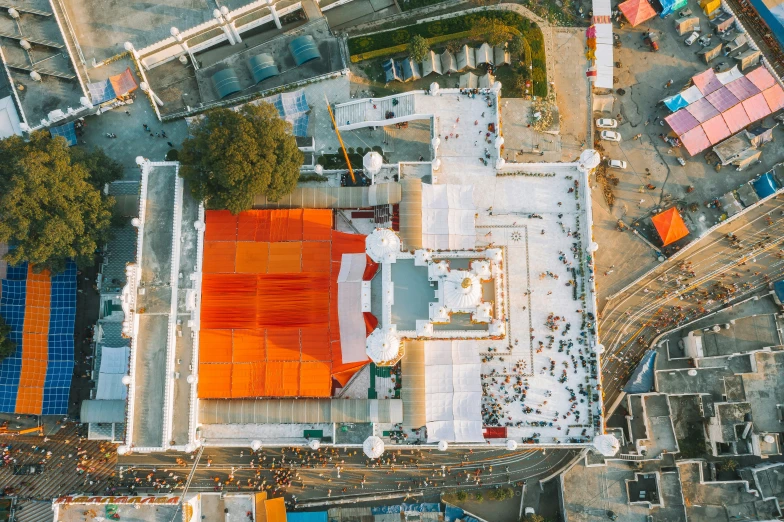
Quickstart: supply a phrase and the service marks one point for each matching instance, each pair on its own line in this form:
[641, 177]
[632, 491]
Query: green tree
[7, 346]
[234, 156]
[493, 31]
[418, 48]
[501, 494]
[101, 168]
[50, 209]
[517, 45]
[533, 518]
[462, 496]
[479, 497]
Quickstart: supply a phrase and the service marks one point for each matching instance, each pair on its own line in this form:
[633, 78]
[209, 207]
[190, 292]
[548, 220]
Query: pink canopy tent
[695, 140]
[715, 129]
[637, 11]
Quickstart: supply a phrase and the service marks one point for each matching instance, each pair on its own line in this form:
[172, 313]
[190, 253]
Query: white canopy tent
[448, 217]
[350, 318]
[114, 365]
[373, 447]
[453, 391]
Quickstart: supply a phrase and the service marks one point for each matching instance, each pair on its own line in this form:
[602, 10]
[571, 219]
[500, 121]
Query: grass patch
[392, 42]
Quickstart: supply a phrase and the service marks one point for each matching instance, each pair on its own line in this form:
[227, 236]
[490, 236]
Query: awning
[299, 411]
[102, 411]
[637, 11]
[641, 380]
[670, 226]
[335, 197]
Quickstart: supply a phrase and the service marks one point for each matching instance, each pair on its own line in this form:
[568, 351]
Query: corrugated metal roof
[335, 197]
[413, 393]
[411, 213]
[299, 411]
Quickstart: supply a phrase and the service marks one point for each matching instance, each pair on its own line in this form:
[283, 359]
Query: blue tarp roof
[642, 378]
[67, 131]
[669, 6]
[765, 185]
[675, 102]
[311, 516]
[778, 287]
[773, 16]
[226, 82]
[390, 71]
[304, 49]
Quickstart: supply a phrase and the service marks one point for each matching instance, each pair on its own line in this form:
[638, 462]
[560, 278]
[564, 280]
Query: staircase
[353, 113]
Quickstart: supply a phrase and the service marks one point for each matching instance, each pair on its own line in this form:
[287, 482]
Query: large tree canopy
[493, 31]
[50, 208]
[231, 157]
[7, 346]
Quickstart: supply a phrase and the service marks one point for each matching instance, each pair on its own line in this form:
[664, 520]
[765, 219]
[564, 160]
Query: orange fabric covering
[35, 343]
[370, 322]
[269, 304]
[670, 226]
[219, 256]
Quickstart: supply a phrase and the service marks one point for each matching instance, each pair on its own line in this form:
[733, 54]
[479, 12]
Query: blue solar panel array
[67, 131]
[60, 341]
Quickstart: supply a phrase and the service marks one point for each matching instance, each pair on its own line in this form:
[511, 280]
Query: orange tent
[637, 11]
[670, 226]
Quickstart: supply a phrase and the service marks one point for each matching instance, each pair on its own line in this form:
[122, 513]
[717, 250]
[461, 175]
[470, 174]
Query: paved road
[686, 288]
[398, 471]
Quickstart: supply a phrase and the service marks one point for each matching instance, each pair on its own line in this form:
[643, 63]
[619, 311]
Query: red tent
[670, 226]
[637, 11]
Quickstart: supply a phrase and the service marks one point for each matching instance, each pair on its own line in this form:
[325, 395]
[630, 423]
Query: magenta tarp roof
[775, 97]
[695, 141]
[722, 99]
[742, 88]
[681, 121]
[736, 118]
[715, 129]
[761, 78]
[706, 81]
[702, 110]
[756, 107]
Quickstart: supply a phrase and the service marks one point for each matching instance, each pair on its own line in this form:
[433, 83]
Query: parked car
[705, 40]
[692, 38]
[616, 164]
[606, 123]
[610, 136]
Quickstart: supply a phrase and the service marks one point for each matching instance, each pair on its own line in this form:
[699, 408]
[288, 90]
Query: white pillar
[184, 45]
[146, 88]
[219, 17]
[227, 16]
[274, 14]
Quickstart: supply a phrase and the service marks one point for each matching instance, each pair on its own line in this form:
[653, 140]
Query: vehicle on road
[529, 511]
[651, 39]
[684, 13]
[681, 161]
[610, 136]
[606, 123]
[705, 40]
[692, 38]
[616, 164]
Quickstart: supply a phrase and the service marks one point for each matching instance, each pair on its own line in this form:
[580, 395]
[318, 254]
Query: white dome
[126, 380]
[593, 247]
[435, 142]
[255, 445]
[314, 444]
[382, 345]
[769, 439]
[443, 445]
[372, 162]
[382, 245]
[692, 372]
[511, 445]
[589, 160]
[462, 290]
[123, 450]
[499, 163]
[373, 447]
[318, 169]
[436, 164]
[607, 445]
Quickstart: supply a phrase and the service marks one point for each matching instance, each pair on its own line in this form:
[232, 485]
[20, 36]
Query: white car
[610, 136]
[606, 123]
[692, 38]
[616, 164]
